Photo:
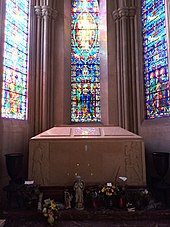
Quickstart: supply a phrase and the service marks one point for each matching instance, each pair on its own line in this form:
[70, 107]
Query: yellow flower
[53, 205]
[109, 190]
[50, 210]
[103, 189]
[51, 219]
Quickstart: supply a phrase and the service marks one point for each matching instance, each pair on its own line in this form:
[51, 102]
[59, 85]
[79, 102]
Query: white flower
[123, 178]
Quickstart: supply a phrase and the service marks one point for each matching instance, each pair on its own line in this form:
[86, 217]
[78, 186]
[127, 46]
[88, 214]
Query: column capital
[123, 12]
[46, 12]
[132, 11]
[54, 14]
[38, 11]
[115, 15]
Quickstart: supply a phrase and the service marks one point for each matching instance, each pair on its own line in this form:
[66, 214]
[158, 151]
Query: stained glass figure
[85, 62]
[15, 60]
[155, 59]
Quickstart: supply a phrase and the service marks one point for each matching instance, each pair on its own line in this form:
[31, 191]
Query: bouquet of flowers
[29, 192]
[50, 210]
[110, 194]
[109, 190]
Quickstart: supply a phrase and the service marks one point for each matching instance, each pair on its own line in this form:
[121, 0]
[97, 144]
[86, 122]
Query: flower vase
[14, 166]
[94, 205]
[109, 203]
[116, 201]
[120, 202]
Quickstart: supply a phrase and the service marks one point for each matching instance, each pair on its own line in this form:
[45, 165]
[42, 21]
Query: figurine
[40, 201]
[67, 198]
[79, 197]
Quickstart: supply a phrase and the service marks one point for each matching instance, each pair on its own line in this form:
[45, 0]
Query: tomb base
[97, 154]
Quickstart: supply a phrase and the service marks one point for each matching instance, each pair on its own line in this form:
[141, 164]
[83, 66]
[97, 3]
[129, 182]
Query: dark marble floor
[89, 218]
[88, 223]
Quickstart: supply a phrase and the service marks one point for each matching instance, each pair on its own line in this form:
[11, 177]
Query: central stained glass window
[85, 62]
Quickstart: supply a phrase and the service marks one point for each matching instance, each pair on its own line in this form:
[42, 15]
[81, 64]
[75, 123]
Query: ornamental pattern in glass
[85, 62]
[15, 60]
[155, 59]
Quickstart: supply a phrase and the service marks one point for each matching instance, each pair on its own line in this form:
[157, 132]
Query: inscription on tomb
[86, 131]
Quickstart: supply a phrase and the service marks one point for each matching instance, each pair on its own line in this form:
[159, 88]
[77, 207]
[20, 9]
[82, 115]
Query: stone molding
[38, 11]
[115, 15]
[45, 12]
[124, 12]
[132, 11]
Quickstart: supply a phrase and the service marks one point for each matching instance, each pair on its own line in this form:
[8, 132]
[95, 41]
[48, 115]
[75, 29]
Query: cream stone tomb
[97, 154]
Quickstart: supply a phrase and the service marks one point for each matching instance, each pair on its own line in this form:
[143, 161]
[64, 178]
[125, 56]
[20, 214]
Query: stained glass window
[155, 59]
[85, 62]
[15, 60]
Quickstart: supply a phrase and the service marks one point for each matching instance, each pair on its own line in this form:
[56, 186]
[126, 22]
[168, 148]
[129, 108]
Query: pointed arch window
[15, 60]
[85, 62]
[156, 77]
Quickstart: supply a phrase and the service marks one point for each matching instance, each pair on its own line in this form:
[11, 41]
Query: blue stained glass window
[155, 59]
[85, 62]
[15, 60]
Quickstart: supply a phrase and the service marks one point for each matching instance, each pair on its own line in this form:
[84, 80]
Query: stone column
[38, 103]
[126, 73]
[118, 56]
[45, 16]
[132, 72]
[123, 18]
[46, 69]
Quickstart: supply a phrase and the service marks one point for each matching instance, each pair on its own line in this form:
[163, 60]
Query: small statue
[79, 197]
[40, 201]
[67, 199]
